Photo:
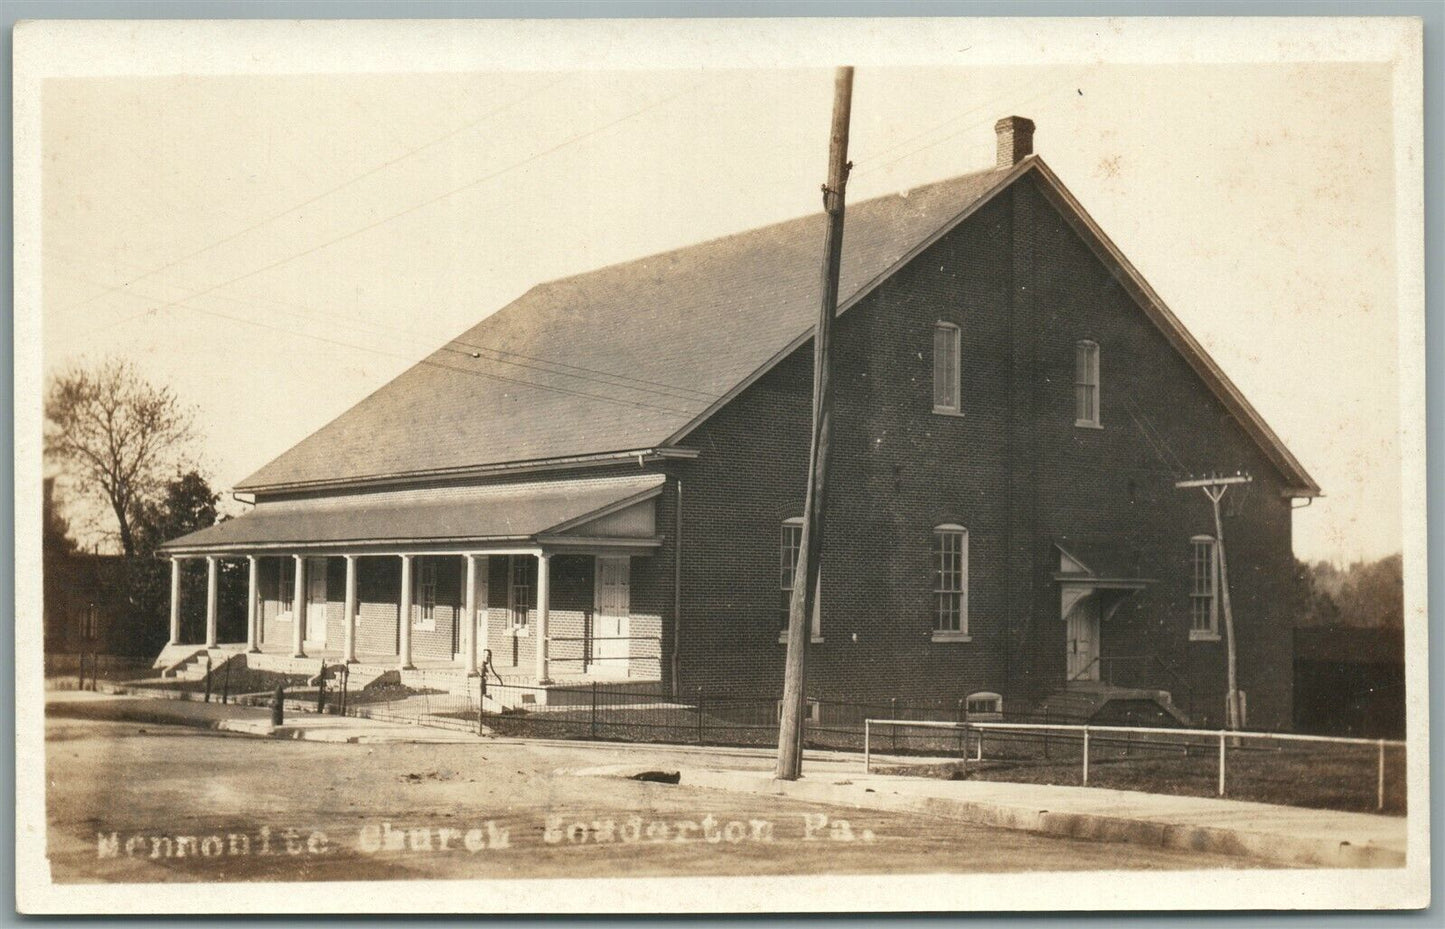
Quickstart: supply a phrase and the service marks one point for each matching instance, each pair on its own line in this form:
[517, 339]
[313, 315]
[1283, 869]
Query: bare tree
[117, 435]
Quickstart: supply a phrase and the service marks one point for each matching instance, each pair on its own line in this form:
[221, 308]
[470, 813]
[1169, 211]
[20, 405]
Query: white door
[610, 622]
[1082, 633]
[316, 601]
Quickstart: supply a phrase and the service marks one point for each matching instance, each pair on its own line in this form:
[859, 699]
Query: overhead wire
[411, 209]
[582, 372]
[323, 194]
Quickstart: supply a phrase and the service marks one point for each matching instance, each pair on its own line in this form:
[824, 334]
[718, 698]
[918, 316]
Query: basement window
[984, 705]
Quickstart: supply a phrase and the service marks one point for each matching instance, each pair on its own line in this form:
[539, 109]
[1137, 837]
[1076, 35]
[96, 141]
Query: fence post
[699, 714]
[1086, 756]
[962, 731]
[208, 677]
[321, 688]
[1048, 718]
[1221, 762]
[893, 730]
[594, 709]
[226, 685]
[867, 749]
[80, 670]
[965, 747]
[1380, 790]
[482, 697]
[278, 705]
[979, 740]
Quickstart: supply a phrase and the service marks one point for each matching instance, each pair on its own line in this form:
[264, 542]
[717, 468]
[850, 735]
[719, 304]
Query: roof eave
[599, 459]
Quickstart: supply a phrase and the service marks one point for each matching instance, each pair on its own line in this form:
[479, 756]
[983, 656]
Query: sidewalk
[1279, 834]
[244, 720]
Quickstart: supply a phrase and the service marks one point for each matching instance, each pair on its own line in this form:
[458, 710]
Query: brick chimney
[1015, 140]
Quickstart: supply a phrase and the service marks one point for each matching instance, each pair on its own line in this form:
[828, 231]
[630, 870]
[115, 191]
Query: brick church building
[603, 480]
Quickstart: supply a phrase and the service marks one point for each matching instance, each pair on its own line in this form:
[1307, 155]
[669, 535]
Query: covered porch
[536, 578]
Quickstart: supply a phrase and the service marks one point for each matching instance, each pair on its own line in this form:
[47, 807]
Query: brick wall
[1014, 469]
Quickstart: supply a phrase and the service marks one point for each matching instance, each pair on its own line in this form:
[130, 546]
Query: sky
[275, 247]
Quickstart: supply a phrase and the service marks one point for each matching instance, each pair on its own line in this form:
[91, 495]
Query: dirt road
[129, 802]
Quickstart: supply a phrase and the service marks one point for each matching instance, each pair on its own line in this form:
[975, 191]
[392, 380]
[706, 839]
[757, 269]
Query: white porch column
[212, 566]
[349, 612]
[544, 596]
[253, 611]
[403, 615]
[175, 602]
[469, 621]
[298, 608]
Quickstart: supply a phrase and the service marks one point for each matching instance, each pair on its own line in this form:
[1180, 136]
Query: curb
[1273, 847]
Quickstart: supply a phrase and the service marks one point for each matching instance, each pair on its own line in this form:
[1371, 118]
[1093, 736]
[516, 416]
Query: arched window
[950, 582]
[791, 545]
[946, 368]
[1203, 599]
[1086, 383]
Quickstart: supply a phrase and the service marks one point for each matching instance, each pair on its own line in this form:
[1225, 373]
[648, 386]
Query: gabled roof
[636, 355]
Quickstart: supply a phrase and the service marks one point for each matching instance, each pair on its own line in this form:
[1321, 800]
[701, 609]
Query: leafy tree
[1365, 594]
[186, 505]
[117, 436]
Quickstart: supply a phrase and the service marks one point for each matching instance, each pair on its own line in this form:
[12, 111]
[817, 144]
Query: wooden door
[611, 618]
[1082, 634]
[316, 601]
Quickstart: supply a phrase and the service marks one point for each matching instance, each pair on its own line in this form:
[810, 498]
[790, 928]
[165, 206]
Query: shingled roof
[631, 357]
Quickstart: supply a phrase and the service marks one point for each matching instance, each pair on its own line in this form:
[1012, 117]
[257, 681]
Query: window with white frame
[950, 581]
[520, 590]
[1086, 383]
[791, 545]
[946, 368]
[287, 592]
[426, 594]
[984, 705]
[1203, 598]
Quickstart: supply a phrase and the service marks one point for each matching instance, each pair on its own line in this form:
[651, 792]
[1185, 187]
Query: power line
[324, 194]
[596, 375]
[412, 209]
[427, 361]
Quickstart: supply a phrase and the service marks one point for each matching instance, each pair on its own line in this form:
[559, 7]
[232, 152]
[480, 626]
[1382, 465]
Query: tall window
[1086, 383]
[792, 544]
[1203, 600]
[946, 368]
[427, 592]
[521, 590]
[288, 585]
[950, 580]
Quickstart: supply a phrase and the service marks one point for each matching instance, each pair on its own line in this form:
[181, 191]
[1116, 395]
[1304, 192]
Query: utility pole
[1214, 488]
[805, 576]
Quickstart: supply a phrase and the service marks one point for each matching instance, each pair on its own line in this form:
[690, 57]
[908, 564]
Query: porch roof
[457, 516]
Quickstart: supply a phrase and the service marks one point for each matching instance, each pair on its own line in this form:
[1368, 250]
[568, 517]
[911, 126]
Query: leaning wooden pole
[1231, 699]
[805, 576]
